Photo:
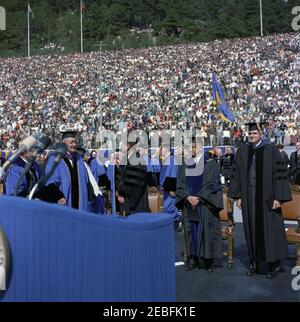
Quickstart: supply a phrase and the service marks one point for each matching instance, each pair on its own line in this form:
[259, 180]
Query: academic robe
[206, 238]
[259, 177]
[70, 182]
[111, 175]
[98, 171]
[132, 183]
[295, 168]
[28, 181]
[169, 170]
[155, 163]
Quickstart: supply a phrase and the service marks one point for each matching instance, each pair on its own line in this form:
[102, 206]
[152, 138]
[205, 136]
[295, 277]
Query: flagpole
[81, 33]
[261, 18]
[28, 31]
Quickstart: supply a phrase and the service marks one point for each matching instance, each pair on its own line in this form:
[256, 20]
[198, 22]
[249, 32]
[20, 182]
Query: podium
[62, 254]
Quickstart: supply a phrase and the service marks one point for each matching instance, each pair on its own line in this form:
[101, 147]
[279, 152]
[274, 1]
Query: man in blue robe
[155, 163]
[168, 181]
[14, 173]
[99, 173]
[70, 185]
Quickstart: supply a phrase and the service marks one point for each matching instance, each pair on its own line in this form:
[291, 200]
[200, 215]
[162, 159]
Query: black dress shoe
[209, 265]
[275, 272]
[192, 263]
[251, 272]
[253, 269]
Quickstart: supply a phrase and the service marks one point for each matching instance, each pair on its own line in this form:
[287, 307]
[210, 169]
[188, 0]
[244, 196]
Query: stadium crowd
[154, 88]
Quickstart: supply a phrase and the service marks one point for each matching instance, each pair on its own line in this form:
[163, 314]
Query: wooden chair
[226, 217]
[155, 201]
[1, 188]
[291, 211]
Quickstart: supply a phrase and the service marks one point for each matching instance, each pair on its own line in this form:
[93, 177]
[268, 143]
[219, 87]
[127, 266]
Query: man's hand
[62, 201]
[172, 193]
[121, 199]
[276, 204]
[194, 201]
[239, 203]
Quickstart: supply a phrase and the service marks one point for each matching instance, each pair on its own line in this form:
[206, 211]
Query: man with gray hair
[69, 185]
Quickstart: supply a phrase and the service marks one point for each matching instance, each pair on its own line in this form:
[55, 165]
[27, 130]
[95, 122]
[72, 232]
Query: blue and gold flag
[219, 100]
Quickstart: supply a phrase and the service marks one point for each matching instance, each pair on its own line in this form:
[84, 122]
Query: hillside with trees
[55, 26]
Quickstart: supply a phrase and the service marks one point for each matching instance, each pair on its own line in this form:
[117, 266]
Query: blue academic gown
[156, 167]
[98, 204]
[62, 179]
[13, 174]
[169, 169]
[110, 172]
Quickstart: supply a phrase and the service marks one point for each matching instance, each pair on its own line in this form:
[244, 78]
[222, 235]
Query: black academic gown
[258, 177]
[212, 197]
[295, 168]
[207, 213]
[132, 183]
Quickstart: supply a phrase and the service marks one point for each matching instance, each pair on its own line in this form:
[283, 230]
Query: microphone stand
[61, 150]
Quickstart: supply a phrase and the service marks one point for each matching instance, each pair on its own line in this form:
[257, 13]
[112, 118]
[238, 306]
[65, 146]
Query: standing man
[168, 181]
[259, 183]
[283, 154]
[70, 185]
[14, 173]
[199, 195]
[132, 181]
[295, 165]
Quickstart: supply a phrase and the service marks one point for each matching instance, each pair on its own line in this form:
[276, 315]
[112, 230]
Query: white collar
[24, 160]
[258, 143]
[166, 157]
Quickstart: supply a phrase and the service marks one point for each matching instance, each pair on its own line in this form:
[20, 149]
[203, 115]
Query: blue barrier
[61, 254]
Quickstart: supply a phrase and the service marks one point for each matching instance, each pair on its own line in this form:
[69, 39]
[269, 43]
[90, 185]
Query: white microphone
[24, 146]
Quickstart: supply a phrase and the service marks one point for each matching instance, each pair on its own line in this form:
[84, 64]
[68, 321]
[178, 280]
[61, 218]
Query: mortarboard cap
[252, 126]
[169, 184]
[82, 150]
[69, 134]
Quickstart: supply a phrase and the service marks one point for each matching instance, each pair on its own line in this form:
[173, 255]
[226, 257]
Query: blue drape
[62, 254]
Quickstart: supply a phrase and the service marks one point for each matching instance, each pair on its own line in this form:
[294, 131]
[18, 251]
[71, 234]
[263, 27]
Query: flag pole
[261, 19]
[81, 33]
[28, 31]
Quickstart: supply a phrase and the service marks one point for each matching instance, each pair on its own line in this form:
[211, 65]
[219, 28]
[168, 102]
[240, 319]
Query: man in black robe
[295, 165]
[199, 195]
[132, 181]
[259, 182]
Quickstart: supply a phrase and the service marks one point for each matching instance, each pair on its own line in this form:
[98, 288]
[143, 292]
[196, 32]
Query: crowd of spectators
[154, 88]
